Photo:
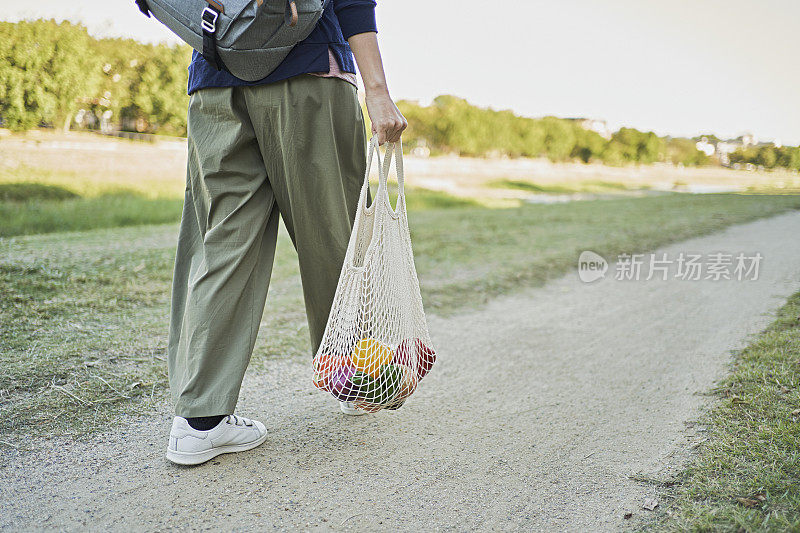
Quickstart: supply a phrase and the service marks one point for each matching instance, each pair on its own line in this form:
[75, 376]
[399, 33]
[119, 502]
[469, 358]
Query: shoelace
[235, 420]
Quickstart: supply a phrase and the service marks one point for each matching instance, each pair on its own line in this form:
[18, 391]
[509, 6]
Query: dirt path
[540, 408]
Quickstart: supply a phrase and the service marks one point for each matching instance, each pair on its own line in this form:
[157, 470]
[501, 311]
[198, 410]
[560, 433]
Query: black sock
[204, 423]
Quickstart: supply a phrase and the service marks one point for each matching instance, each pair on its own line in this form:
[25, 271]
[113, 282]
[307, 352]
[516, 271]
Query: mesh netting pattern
[376, 346]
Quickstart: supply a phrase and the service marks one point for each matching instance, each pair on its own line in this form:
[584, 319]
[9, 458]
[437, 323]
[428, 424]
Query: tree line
[49, 71]
[768, 156]
[452, 125]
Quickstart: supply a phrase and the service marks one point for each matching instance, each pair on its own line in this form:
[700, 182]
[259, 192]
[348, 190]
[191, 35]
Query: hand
[388, 122]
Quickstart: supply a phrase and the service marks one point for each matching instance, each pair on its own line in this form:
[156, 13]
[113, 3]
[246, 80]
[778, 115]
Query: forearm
[368, 57]
[388, 122]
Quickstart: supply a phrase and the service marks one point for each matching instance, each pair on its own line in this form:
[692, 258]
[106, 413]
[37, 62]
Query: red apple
[422, 357]
[425, 358]
[404, 354]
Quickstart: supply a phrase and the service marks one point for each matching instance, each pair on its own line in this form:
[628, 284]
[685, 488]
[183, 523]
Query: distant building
[705, 146]
[748, 139]
[725, 148]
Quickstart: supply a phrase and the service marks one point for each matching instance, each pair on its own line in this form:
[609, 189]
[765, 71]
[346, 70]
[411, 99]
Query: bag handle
[372, 150]
[396, 150]
[392, 149]
[291, 13]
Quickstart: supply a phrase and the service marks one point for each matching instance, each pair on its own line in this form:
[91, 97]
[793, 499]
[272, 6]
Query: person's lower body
[294, 149]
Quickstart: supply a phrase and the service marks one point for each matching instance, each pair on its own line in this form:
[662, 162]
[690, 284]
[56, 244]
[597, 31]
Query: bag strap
[143, 7]
[372, 150]
[382, 193]
[396, 150]
[208, 22]
[291, 13]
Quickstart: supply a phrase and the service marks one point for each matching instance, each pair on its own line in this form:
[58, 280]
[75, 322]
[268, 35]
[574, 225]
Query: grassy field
[593, 187]
[87, 239]
[98, 169]
[41, 213]
[746, 475]
[40, 199]
[83, 314]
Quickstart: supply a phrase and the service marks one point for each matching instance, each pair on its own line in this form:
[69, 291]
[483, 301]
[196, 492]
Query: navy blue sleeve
[355, 16]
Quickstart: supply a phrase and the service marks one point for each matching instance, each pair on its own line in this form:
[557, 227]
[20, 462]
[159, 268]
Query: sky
[677, 67]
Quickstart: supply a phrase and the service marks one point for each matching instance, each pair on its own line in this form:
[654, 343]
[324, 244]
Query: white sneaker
[349, 408]
[189, 446]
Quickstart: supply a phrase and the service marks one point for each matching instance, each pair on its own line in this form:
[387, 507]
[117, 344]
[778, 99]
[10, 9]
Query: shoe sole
[196, 458]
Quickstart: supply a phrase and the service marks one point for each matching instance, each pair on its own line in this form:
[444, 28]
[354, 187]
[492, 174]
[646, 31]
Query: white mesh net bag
[376, 346]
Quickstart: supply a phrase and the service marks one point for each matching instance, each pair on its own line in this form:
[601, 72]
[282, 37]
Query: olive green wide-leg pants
[294, 149]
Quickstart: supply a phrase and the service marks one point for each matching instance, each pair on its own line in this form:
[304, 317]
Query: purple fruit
[341, 384]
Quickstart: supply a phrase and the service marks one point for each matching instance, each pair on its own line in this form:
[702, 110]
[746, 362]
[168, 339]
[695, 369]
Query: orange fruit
[370, 355]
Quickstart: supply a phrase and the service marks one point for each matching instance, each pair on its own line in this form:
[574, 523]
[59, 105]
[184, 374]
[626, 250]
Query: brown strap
[216, 5]
[293, 7]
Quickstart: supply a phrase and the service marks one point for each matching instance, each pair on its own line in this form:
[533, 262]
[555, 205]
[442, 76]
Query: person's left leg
[313, 143]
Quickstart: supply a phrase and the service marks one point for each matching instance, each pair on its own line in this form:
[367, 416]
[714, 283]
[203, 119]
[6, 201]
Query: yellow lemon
[370, 355]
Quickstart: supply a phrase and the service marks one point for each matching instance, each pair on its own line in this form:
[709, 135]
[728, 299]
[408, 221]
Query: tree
[767, 157]
[158, 89]
[789, 157]
[685, 152]
[44, 69]
[559, 138]
[588, 144]
[634, 146]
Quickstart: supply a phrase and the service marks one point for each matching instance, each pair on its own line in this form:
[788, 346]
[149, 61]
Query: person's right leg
[224, 259]
[225, 252]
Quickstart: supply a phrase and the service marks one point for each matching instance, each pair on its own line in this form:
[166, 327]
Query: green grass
[35, 200]
[35, 208]
[418, 199]
[35, 216]
[83, 316]
[773, 189]
[101, 176]
[25, 192]
[597, 187]
[746, 476]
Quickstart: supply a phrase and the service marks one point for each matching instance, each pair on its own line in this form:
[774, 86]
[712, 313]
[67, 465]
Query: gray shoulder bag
[248, 38]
